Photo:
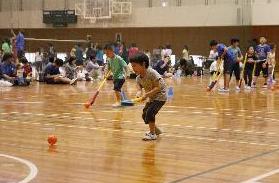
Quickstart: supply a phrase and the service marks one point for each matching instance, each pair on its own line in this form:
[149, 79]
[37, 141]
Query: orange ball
[52, 139]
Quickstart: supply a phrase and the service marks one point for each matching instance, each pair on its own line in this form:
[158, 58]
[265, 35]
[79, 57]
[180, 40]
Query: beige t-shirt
[148, 83]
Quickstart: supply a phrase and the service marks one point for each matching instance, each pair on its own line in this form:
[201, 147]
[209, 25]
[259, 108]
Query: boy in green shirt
[119, 68]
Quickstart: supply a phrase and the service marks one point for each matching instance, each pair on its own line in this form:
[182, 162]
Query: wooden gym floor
[209, 137]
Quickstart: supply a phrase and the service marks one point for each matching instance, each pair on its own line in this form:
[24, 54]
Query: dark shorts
[228, 66]
[52, 81]
[79, 62]
[150, 110]
[259, 68]
[117, 84]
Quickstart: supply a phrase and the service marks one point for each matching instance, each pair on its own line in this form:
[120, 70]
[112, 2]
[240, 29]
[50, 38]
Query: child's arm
[154, 91]
[126, 70]
[5, 76]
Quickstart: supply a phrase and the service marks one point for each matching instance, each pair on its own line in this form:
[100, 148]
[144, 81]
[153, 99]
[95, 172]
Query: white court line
[33, 169]
[260, 177]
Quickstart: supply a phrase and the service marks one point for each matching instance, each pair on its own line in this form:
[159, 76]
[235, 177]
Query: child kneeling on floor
[154, 88]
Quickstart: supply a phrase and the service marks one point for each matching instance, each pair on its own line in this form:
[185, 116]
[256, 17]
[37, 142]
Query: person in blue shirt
[20, 44]
[8, 68]
[262, 51]
[100, 55]
[222, 51]
[53, 76]
[235, 57]
[79, 55]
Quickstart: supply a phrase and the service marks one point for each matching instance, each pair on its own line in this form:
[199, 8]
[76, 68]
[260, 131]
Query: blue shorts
[117, 84]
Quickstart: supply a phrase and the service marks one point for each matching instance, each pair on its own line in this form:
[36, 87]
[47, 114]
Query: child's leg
[117, 96]
[246, 76]
[250, 76]
[265, 72]
[228, 68]
[62, 80]
[237, 73]
[257, 71]
[149, 112]
[226, 81]
[118, 83]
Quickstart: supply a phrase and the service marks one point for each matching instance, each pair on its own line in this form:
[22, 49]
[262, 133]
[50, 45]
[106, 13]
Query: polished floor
[208, 137]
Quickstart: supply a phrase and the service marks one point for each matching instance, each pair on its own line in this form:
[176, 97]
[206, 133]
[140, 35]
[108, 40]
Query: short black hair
[234, 40]
[58, 62]
[109, 47]
[92, 57]
[23, 60]
[51, 59]
[213, 43]
[7, 56]
[140, 58]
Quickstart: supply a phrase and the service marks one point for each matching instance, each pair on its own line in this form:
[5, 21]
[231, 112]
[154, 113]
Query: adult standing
[20, 44]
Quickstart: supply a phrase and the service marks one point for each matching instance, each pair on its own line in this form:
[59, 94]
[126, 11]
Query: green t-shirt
[6, 48]
[117, 66]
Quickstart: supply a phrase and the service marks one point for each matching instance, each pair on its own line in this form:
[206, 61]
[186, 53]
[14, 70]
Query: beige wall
[192, 13]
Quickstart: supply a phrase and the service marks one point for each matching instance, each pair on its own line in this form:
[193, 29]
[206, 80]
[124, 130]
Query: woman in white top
[39, 59]
[185, 52]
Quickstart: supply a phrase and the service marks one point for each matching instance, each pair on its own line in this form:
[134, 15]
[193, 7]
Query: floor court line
[225, 166]
[33, 169]
[260, 177]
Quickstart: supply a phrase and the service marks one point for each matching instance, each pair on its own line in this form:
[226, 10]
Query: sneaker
[73, 81]
[223, 90]
[158, 131]
[116, 104]
[237, 88]
[265, 85]
[248, 88]
[273, 81]
[149, 136]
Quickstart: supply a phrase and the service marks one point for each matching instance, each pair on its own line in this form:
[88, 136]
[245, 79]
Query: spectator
[20, 44]
[6, 46]
[53, 76]
[133, 50]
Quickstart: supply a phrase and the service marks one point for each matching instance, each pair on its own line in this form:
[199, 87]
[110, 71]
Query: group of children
[150, 84]
[230, 60]
[13, 73]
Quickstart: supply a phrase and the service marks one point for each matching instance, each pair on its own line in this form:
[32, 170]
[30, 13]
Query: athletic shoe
[248, 88]
[265, 85]
[149, 136]
[116, 104]
[223, 90]
[237, 88]
[273, 81]
[73, 81]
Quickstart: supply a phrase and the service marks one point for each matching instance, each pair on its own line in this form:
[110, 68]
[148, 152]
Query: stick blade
[212, 84]
[127, 103]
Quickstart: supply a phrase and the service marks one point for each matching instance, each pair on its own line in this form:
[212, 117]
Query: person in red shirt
[133, 50]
